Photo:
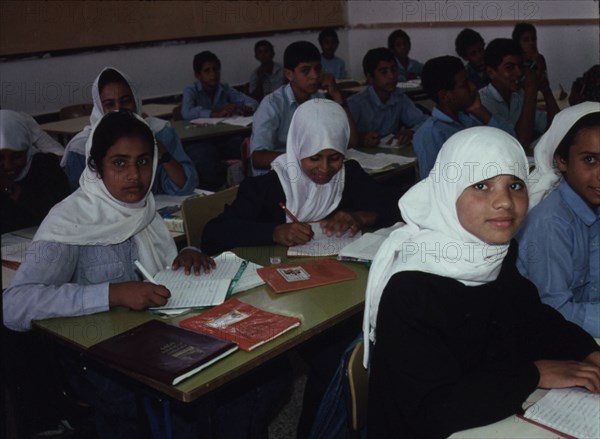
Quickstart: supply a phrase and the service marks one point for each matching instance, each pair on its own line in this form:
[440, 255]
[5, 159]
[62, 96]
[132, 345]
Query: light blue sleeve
[427, 142]
[410, 114]
[546, 257]
[74, 168]
[169, 138]
[541, 121]
[265, 126]
[239, 98]
[41, 288]
[502, 125]
[253, 83]
[190, 109]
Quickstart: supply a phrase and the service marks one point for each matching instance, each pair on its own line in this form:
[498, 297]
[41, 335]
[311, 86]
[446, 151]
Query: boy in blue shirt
[209, 98]
[399, 44]
[302, 68]
[267, 77]
[382, 108]
[329, 42]
[510, 97]
[469, 46]
[457, 107]
[559, 242]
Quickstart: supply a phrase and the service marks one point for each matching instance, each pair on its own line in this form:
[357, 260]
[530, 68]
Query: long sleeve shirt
[196, 103]
[560, 253]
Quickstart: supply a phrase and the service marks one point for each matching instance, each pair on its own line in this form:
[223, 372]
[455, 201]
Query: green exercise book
[163, 352]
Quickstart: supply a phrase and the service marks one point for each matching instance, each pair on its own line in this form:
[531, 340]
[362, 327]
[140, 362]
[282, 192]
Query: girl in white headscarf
[312, 181]
[81, 260]
[559, 244]
[460, 338]
[31, 182]
[113, 90]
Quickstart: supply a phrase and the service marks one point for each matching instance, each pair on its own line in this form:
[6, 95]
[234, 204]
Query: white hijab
[78, 143]
[92, 216]
[16, 136]
[546, 175]
[433, 240]
[317, 124]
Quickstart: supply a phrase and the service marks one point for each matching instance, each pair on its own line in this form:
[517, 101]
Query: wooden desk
[319, 308]
[70, 127]
[188, 132]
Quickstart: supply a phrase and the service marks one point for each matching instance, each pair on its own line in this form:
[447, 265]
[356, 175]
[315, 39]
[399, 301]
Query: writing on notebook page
[321, 244]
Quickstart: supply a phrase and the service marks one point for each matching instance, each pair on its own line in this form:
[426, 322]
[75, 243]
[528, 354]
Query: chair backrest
[197, 211]
[177, 113]
[77, 110]
[358, 378]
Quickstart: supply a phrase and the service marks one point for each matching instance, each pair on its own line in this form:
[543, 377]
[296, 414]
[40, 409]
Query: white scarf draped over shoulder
[92, 216]
[317, 124]
[79, 141]
[546, 176]
[433, 240]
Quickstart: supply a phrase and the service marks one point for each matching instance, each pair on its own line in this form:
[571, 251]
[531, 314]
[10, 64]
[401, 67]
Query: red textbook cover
[241, 323]
[292, 277]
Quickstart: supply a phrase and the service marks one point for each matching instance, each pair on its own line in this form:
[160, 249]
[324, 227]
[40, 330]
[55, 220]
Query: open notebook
[321, 244]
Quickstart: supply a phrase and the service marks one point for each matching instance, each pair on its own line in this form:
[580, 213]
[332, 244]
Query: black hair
[396, 35]
[110, 129]
[520, 29]
[497, 49]
[204, 57]
[438, 74]
[328, 33]
[111, 76]
[591, 120]
[374, 56]
[264, 43]
[299, 52]
[465, 39]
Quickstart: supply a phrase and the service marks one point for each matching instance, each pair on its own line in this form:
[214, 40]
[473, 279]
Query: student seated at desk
[525, 35]
[383, 108]
[461, 339]
[511, 98]
[586, 87]
[267, 77]
[469, 46]
[206, 98]
[457, 107]
[399, 43]
[329, 42]
[31, 182]
[113, 90]
[302, 68]
[312, 180]
[559, 245]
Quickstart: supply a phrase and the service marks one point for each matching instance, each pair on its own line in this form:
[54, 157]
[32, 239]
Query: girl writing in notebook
[312, 181]
[461, 337]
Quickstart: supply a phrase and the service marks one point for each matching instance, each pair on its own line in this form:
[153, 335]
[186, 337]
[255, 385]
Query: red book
[292, 277]
[241, 323]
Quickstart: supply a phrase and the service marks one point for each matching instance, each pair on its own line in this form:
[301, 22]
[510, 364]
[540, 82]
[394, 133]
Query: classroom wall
[45, 84]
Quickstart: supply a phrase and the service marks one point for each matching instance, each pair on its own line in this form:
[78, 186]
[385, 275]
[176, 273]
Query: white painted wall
[44, 85]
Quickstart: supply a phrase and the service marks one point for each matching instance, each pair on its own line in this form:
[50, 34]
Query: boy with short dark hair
[329, 42]
[511, 99]
[469, 46]
[457, 107]
[267, 77]
[208, 97]
[382, 108]
[302, 68]
[399, 43]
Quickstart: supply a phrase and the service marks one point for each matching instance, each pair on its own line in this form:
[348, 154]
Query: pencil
[144, 272]
[288, 213]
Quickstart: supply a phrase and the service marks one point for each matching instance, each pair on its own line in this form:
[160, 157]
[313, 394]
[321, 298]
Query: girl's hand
[560, 374]
[189, 258]
[340, 222]
[290, 234]
[137, 295]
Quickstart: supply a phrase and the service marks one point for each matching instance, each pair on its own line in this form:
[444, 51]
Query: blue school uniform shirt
[370, 114]
[272, 121]
[495, 103]
[196, 103]
[480, 79]
[335, 66]
[430, 137]
[559, 251]
[414, 69]
[270, 83]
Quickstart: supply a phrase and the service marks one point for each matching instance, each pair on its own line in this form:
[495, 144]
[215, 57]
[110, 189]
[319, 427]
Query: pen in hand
[144, 272]
[288, 213]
